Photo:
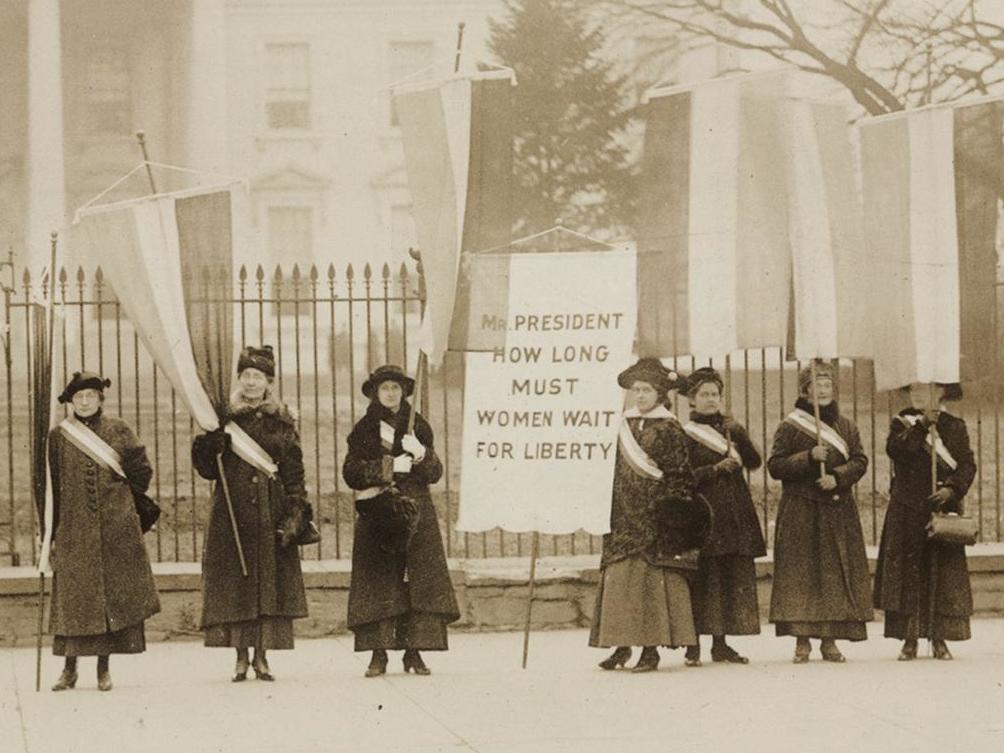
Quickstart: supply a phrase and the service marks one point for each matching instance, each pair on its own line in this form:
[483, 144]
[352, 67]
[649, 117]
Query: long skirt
[725, 597]
[420, 631]
[129, 640]
[273, 633]
[639, 604]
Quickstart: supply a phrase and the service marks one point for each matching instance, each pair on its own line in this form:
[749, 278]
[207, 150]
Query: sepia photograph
[502, 376]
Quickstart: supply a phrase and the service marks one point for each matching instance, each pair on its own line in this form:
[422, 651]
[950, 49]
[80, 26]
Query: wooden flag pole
[819, 420]
[933, 586]
[460, 43]
[141, 137]
[50, 335]
[534, 555]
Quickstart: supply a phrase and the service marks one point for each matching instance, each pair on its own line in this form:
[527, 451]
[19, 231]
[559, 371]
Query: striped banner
[750, 230]
[457, 138]
[931, 181]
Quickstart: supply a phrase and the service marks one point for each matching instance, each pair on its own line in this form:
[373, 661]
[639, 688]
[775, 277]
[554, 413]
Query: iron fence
[329, 329]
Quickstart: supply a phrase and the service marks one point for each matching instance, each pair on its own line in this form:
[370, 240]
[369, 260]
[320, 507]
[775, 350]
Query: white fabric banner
[541, 414]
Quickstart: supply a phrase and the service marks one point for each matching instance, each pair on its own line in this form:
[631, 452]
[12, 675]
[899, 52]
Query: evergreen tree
[570, 152]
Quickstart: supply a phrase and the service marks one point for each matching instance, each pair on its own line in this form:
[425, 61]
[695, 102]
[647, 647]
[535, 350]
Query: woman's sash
[805, 422]
[943, 453]
[250, 451]
[710, 438]
[636, 457]
[81, 436]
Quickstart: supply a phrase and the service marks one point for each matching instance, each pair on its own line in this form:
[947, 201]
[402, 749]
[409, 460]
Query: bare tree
[889, 54]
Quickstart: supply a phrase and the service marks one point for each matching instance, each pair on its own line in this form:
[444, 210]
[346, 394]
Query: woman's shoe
[378, 664]
[261, 670]
[413, 663]
[908, 652]
[941, 651]
[649, 660]
[802, 650]
[692, 658]
[617, 659]
[240, 670]
[104, 680]
[67, 681]
[725, 653]
[828, 648]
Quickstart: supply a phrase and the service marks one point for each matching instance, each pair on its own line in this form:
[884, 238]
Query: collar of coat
[270, 406]
[827, 413]
[659, 411]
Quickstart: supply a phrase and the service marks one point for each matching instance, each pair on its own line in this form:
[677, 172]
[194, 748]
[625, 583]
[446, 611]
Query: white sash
[940, 448]
[84, 439]
[711, 439]
[635, 456]
[250, 451]
[386, 435]
[806, 422]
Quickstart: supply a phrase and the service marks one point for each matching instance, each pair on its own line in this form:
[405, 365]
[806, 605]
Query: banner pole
[819, 420]
[933, 587]
[534, 554]
[460, 43]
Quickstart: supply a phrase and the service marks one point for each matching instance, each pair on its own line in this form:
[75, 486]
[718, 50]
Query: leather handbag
[393, 518]
[952, 528]
[299, 528]
[147, 509]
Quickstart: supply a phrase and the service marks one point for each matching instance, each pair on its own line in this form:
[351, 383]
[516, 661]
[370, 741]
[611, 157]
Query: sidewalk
[177, 697]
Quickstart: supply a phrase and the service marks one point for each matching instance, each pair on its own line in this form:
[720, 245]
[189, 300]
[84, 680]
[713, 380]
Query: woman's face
[254, 383]
[390, 394]
[922, 395]
[823, 387]
[646, 397]
[86, 402]
[707, 399]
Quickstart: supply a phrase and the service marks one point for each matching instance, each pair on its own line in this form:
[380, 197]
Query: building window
[287, 87]
[291, 236]
[407, 58]
[109, 100]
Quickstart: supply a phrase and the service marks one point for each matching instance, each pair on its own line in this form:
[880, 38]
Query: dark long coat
[378, 590]
[820, 566]
[639, 505]
[102, 576]
[902, 572]
[274, 584]
[736, 528]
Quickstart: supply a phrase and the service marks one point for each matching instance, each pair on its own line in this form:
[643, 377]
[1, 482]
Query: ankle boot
[692, 657]
[617, 659]
[68, 678]
[241, 667]
[413, 663]
[104, 676]
[802, 650]
[378, 664]
[909, 651]
[649, 660]
[260, 666]
[940, 650]
[828, 648]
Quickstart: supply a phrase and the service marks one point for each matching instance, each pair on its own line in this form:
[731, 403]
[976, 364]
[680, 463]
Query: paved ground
[177, 697]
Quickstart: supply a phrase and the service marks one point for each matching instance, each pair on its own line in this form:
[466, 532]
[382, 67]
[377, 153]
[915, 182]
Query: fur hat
[824, 370]
[652, 371]
[703, 376]
[950, 391]
[83, 380]
[257, 358]
[388, 373]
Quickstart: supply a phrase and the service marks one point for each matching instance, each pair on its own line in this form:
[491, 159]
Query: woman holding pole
[919, 579]
[103, 587]
[821, 583]
[400, 596]
[724, 592]
[252, 587]
[657, 526]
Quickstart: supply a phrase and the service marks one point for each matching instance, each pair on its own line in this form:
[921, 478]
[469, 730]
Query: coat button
[254, 479]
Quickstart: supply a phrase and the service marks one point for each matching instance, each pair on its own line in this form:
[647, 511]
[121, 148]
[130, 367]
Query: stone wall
[492, 594]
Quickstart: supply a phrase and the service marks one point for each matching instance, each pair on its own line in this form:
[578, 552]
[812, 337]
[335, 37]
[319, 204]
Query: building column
[205, 145]
[45, 164]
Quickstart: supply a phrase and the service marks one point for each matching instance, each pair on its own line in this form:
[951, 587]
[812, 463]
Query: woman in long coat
[400, 596]
[724, 592]
[821, 583]
[911, 569]
[656, 527]
[103, 587]
[257, 610]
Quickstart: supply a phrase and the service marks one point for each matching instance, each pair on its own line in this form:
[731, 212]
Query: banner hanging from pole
[541, 412]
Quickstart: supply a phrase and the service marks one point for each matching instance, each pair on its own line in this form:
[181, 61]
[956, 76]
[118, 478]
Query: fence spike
[296, 273]
[80, 275]
[99, 277]
[259, 273]
[63, 276]
[367, 272]
[26, 277]
[350, 273]
[385, 272]
[331, 272]
[403, 272]
[242, 273]
[313, 273]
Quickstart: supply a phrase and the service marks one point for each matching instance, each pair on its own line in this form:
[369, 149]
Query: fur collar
[827, 413]
[659, 411]
[270, 406]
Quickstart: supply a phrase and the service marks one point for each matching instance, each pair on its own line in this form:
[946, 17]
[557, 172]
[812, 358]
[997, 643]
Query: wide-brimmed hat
[388, 372]
[652, 371]
[702, 376]
[824, 370]
[83, 380]
[257, 358]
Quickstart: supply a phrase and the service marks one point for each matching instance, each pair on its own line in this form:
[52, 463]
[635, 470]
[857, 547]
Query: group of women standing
[668, 472]
[677, 564]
